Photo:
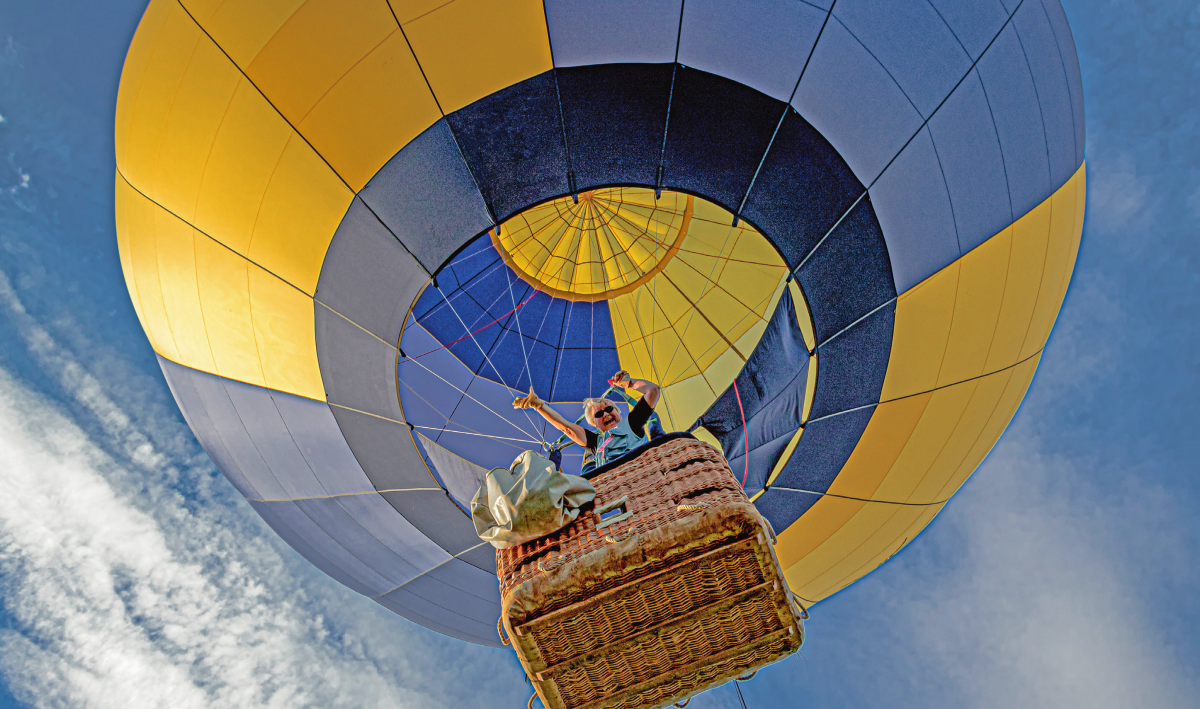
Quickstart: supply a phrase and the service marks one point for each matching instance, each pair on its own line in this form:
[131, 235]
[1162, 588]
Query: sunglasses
[602, 412]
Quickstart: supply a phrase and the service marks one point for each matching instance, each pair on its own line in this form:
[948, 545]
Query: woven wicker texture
[705, 677]
[601, 618]
[681, 472]
[665, 596]
[673, 647]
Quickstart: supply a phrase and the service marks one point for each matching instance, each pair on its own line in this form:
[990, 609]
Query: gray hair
[587, 408]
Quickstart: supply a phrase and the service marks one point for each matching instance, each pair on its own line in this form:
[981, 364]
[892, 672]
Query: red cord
[745, 431]
[469, 334]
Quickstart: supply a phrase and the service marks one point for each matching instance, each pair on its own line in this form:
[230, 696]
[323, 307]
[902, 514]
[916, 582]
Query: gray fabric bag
[527, 500]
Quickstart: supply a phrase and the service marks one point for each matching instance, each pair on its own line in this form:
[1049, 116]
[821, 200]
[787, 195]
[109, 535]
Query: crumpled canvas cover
[527, 500]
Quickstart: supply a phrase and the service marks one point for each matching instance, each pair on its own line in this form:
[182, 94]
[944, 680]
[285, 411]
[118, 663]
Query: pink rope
[745, 432]
[469, 334]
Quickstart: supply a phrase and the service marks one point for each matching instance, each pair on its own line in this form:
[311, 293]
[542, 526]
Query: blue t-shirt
[629, 433]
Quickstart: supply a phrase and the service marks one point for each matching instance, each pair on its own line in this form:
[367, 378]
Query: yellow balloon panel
[469, 49]
[684, 402]
[241, 28]
[285, 335]
[705, 311]
[596, 245]
[866, 535]
[175, 243]
[408, 10]
[372, 112]
[803, 316]
[1006, 408]
[242, 159]
[1030, 235]
[949, 425]
[183, 142]
[900, 530]
[121, 209]
[137, 63]
[938, 424]
[319, 44]
[267, 195]
[981, 279]
[989, 309]
[924, 315]
[810, 388]
[1066, 226]
[225, 300]
[714, 380]
[888, 432]
[168, 39]
[845, 534]
[300, 211]
[341, 73]
[661, 336]
[139, 257]
[967, 341]
[206, 307]
[695, 322]
[815, 528]
[202, 142]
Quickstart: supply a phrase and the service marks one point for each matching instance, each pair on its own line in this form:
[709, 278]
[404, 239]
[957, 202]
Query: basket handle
[682, 704]
[547, 568]
[529, 705]
[747, 678]
[500, 630]
[770, 530]
[803, 610]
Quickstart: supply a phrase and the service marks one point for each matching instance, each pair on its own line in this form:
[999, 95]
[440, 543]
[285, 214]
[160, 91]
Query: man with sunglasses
[617, 435]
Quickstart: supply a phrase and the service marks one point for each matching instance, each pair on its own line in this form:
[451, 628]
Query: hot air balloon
[836, 234]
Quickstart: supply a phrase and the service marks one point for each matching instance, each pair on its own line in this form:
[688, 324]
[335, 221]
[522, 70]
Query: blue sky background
[1064, 574]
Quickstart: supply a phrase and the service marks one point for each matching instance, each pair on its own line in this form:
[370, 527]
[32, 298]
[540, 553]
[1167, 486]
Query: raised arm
[573, 430]
[650, 391]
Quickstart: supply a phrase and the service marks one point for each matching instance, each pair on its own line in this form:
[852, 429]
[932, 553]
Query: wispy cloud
[1057, 577]
[131, 581]
[1033, 593]
[1036, 587]
[1119, 198]
[1194, 199]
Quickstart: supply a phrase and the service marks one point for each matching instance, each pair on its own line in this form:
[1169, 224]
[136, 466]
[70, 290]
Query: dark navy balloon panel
[523, 163]
[615, 117]
[720, 130]
[762, 409]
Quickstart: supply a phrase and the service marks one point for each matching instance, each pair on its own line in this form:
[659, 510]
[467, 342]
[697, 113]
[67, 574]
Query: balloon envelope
[355, 232]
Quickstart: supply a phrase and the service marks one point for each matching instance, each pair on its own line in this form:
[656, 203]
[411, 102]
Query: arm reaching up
[573, 431]
[650, 391]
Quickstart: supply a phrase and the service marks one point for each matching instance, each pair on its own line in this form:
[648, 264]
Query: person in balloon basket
[615, 435]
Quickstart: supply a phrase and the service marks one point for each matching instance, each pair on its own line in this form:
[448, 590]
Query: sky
[1063, 574]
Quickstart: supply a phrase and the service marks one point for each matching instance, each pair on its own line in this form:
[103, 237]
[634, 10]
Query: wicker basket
[667, 587]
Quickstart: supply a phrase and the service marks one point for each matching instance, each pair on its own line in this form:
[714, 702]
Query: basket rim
[637, 452]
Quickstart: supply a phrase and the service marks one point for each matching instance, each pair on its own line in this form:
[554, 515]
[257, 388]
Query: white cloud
[1029, 590]
[125, 591]
[1194, 198]
[1119, 199]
